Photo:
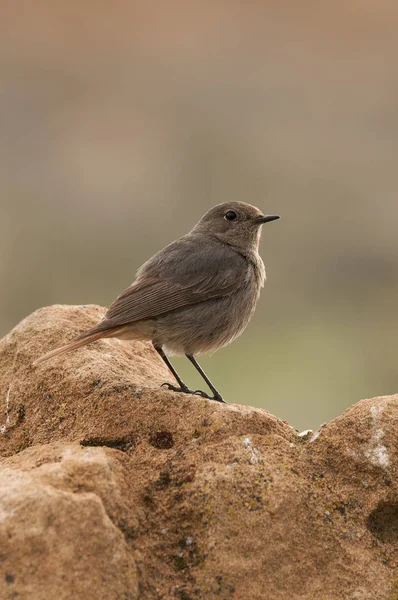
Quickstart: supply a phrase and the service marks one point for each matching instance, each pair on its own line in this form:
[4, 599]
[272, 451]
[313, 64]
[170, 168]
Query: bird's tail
[82, 340]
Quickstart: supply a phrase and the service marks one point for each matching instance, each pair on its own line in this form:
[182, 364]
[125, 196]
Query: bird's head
[234, 223]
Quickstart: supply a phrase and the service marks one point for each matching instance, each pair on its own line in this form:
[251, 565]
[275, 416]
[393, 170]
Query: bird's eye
[230, 215]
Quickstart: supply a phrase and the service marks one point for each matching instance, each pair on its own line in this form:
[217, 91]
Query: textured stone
[57, 536]
[111, 487]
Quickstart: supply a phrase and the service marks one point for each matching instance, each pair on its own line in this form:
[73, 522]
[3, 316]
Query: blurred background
[122, 123]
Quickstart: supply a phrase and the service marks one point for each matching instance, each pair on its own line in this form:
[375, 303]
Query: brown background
[122, 122]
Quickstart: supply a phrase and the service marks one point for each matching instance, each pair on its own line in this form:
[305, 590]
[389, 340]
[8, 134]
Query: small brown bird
[194, 296]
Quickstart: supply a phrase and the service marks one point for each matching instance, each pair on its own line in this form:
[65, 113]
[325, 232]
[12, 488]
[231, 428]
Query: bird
[194, 296]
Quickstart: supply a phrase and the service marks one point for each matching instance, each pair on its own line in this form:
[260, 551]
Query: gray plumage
[194, 296]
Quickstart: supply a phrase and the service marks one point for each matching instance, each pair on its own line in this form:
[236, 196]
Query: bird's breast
[209, 325]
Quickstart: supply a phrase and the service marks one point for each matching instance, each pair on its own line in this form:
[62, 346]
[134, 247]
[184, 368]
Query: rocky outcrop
[114, 488]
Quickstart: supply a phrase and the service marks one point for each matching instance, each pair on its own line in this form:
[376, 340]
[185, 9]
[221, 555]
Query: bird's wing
[182, 274]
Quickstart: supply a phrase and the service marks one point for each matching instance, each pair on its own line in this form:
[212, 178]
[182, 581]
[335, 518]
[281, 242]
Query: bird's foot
[185, 390]
[217, 397]
[174, 388]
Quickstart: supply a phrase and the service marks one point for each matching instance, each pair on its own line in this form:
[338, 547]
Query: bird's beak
[265, 219]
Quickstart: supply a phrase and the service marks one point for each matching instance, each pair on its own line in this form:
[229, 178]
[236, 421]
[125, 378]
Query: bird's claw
[165, 384]
[202, 394]
[174, 388]
[186, 390]
[216, 397]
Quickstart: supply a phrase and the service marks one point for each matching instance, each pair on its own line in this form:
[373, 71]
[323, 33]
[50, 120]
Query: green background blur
[121, 123]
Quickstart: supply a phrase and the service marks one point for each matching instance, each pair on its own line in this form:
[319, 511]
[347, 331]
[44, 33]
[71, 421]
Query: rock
[112, 488]
[107, 393]
[57, 536]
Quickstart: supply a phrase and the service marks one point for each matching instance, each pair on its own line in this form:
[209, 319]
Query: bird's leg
[217, 396]
[183, 387]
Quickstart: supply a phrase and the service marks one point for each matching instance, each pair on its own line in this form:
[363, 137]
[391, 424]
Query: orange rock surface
[114, 489]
